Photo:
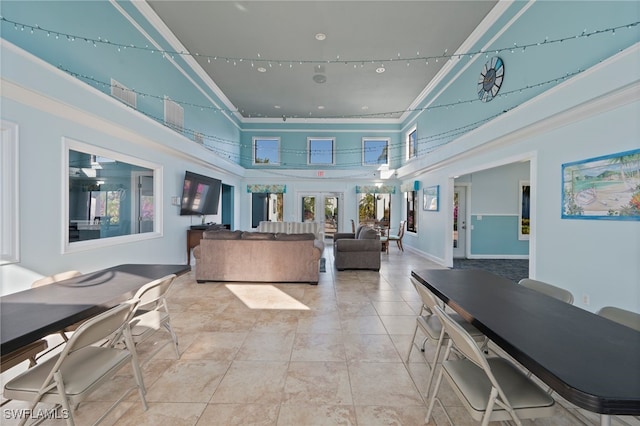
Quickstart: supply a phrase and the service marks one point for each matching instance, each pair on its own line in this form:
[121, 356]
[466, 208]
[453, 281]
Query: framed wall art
[430, 196]
[606, 187]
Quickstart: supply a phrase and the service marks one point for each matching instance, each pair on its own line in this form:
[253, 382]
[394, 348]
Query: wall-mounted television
[200, 195]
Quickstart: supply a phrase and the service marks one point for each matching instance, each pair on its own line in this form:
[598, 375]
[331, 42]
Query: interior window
[110, 197]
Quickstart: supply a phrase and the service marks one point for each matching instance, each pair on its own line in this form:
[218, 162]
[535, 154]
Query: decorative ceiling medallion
[490, 79]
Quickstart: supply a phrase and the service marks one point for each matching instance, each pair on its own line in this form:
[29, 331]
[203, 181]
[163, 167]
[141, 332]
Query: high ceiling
[266, 58]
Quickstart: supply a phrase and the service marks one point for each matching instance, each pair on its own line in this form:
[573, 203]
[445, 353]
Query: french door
[324, 208]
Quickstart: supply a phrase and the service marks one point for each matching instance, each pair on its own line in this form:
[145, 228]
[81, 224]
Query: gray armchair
[357, 251]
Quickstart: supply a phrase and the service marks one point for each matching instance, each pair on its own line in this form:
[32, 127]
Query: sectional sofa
[258, 257]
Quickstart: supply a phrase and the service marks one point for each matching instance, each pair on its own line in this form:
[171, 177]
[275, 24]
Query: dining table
[32, 314]
[589, 360]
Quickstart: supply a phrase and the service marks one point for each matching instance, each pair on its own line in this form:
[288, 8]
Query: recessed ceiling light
[262, 69]
[380, 70]
[276, 106]
[321, 36]
[320, 106]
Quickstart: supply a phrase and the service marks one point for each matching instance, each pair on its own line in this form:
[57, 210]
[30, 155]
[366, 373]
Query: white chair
[432, 328]
[69, 377]
[152, 313]
[548, 289]
[491, 389]
[398, 238]
[621, 316]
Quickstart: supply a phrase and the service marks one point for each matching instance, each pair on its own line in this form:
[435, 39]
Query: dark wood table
[31, 314]
[590, 361]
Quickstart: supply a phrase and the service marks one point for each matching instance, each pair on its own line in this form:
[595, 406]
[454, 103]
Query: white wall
[43, 120]
[592, 258]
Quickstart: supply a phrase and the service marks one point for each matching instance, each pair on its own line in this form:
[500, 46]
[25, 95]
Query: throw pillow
[222, 235]
[368, 234]
[295, 237]
[258, 236]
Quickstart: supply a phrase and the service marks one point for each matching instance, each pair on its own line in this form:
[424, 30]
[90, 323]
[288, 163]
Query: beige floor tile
[382, 416]
[370, 348]
[384, 384]
[188, 381]
[239, 415]
[276, 321]
[219, 346]
[399, 324]
[317, 383]
[320, 322]
[318, 347]
[317, 415]
[163, 414]
[363, 325]
[252, 382]
[267, 347]
[393, 308]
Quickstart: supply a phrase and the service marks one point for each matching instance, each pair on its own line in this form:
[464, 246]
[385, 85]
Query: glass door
[323, 208]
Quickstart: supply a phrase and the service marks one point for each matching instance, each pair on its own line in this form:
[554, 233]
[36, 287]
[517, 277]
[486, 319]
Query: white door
[459, 221]
[324, 208]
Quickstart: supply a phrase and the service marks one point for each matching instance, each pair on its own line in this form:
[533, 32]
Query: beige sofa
[257, 257]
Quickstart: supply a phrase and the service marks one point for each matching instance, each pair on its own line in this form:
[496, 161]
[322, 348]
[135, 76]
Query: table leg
[605, 420]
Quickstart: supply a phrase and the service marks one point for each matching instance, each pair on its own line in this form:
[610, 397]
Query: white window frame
[9, 194]
[254, 140]
[413, 129]
[333, 150]
[77, 246]
[374, 139]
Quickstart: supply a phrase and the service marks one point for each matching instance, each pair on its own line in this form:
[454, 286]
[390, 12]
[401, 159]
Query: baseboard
[498, 256]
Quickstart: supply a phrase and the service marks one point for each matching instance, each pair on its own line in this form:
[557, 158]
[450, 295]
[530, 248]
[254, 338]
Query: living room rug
[323, 264]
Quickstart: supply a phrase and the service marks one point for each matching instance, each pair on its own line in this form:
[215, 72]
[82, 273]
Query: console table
[193, 239]
[194, 235]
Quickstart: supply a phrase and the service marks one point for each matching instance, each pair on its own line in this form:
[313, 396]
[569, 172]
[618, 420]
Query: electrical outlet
[585, 299]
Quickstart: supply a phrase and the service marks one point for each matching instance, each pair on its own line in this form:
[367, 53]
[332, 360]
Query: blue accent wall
[496, 235]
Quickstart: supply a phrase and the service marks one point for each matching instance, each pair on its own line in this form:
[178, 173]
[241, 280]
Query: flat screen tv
[200, 195]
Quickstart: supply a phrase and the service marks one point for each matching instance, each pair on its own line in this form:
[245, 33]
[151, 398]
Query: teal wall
[496, 236]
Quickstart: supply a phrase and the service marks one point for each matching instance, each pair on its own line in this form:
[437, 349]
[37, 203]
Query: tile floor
[288, 354]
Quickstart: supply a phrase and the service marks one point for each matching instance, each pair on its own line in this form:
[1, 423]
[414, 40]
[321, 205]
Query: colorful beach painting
[606, 187]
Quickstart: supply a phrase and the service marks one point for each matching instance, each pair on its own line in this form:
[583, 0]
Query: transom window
[412, 143]
[321, 150]
[375, 151]
[266, 151]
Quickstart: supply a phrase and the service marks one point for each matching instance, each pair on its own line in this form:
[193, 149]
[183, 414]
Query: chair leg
[174, 337]
[433, 397]
[415, 332]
